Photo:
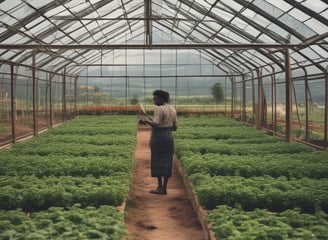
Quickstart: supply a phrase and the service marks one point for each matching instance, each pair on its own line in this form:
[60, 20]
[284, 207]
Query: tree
[217, 92]
[134, 100]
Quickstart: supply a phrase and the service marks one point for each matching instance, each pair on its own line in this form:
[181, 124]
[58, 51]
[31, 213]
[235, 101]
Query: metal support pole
[148, 23]
[13, 104]
[75, 97]
[176, 78]
[253, 98]
[233, 93]
[225, 94]
[243, 99]
[50, 100]
[87, 86]
[46, 98]
[144, 74]
[289, 97]
[126, 80]
[274, 101]
[64, 110]
[160, 69]
[307, 105]
[260, 103]
[35, 97]
[326, 109]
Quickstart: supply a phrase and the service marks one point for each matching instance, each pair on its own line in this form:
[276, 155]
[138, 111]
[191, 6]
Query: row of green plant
[64, 165]
[66, 182]
[74, 223]
[99, 139]
[292, 166]
[265, 192]
[35, 194]
[254, 186]
[236, 224]
[74, 149]
[204, 146]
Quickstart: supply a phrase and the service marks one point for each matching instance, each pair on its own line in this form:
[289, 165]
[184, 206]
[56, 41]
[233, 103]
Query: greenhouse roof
[236, 35]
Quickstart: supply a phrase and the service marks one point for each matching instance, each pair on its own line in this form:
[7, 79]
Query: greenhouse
[248, 80]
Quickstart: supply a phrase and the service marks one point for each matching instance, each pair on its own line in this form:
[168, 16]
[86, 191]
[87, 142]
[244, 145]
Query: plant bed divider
[200, 211]
[122, 207]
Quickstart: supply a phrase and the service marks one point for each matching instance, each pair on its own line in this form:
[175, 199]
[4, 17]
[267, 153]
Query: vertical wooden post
[126, 81]
[225, 94]
[253, 98]
[51, 76]
[233, 93]
[46, 98]
[274, 101]
[176, 78]
[260, 104]
[75, 96]
[13, 103]
[326, 109]
[64, 110]
[289, 97]
[244, 99]
[307, 105]
[35, 96]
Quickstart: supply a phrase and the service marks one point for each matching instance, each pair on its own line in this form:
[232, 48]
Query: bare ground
[158, 217]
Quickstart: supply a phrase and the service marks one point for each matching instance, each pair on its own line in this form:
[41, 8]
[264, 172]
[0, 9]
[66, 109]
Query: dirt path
[158, 217]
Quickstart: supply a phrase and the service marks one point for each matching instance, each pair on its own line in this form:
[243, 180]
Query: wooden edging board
[201, 213]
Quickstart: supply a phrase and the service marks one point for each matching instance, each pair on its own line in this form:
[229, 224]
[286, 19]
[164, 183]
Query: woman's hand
[174, 128]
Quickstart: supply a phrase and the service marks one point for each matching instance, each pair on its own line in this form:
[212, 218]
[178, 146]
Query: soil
[161, 217]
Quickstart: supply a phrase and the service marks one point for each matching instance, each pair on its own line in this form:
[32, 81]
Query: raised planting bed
[69, 182]
[57, 223]
[252, 185]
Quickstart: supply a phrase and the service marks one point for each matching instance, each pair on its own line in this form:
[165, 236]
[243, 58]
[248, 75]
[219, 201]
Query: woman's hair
[162, 95]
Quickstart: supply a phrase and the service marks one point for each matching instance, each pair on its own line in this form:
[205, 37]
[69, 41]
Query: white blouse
[165, 116]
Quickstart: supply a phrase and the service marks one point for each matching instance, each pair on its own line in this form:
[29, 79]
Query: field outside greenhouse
[69, 182]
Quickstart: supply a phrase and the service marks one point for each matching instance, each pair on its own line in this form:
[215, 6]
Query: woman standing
[161, 140]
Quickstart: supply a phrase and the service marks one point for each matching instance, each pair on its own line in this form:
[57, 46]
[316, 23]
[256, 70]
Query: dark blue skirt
[162, 150]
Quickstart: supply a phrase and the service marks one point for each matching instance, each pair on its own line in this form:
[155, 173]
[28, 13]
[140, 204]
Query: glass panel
[169, 56]
[278, 30]
[212, 25]
[153, 70]
[296, 25]
[38, 25]
[8, 20]
[152, 57]
[297, 57]
[234, 5]
[282, 5]
[188, 57]
[309, 53]
[135, 70]
[266, 38]
[9, 5]
[226, 15]
[135, 57]
[257, 18]
[233, 37]
[299, 15]
[204, 4]
[317, 26]
[317, 6]
[317, 111]
[24, 101]
[39, 3]
[312, 69]
[5, 104]
[269, 8]
[119, 57]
